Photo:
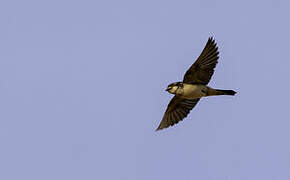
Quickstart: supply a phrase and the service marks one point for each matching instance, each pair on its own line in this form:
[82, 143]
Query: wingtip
[158, 129]
[211, 38]
[161, 127]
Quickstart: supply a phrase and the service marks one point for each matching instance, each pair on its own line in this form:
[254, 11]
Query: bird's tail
[224, 92]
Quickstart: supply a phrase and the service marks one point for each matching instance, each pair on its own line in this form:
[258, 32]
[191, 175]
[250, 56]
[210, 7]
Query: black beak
[167, 89]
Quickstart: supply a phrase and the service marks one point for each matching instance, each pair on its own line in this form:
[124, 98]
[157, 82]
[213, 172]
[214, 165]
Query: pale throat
[173, 89]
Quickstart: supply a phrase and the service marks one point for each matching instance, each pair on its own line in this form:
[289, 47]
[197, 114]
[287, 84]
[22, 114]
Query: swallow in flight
[193, 87]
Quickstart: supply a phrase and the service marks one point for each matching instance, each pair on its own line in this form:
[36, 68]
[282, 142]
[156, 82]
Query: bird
[193, 87]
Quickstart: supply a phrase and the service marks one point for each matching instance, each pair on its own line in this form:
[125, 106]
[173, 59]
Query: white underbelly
[191, 91]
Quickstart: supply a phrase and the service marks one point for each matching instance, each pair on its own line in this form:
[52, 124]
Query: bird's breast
[192, 91]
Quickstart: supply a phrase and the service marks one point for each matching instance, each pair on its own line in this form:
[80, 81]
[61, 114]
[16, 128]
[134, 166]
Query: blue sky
[82, 90]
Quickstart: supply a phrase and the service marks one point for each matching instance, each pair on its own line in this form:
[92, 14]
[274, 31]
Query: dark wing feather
[202, 69]
[176, 111]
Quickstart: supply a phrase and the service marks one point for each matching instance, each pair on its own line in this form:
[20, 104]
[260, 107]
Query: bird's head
[172, 88]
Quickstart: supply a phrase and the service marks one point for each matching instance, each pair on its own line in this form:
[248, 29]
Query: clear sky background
[82, 90]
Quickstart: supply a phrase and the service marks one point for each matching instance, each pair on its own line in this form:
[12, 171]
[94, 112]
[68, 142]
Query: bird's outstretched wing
[176, 111]
[201, 71]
